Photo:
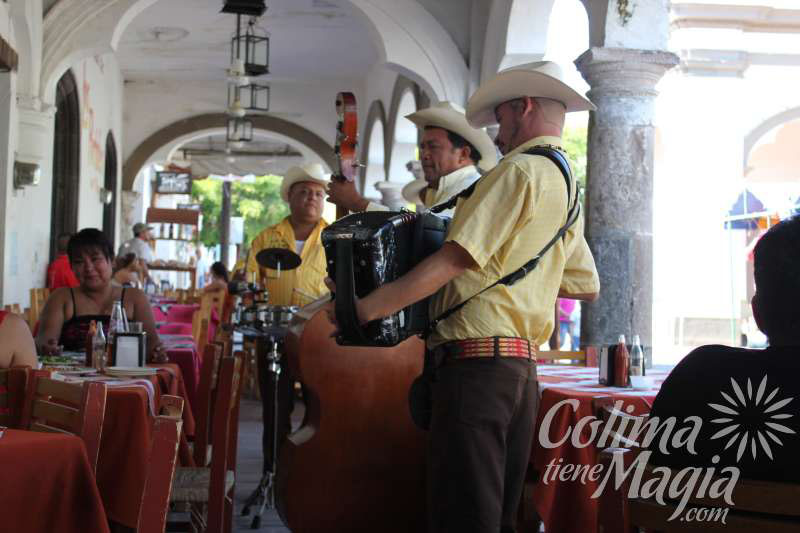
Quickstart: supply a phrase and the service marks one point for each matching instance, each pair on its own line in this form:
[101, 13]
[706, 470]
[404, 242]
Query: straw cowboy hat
[542, 78]
[412, 189]
[449, 116]
[310, 172]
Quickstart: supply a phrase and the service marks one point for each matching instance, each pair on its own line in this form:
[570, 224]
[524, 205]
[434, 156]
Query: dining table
[131, 405]
[566, 395]
[47, 485]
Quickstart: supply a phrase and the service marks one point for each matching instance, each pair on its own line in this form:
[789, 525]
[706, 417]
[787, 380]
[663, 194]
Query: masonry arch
[182, 130]
[110, 184]
[408, 39]
[66, 160]
[373, 149]
[765, 127]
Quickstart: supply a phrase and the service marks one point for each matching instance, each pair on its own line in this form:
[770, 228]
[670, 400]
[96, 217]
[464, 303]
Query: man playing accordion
[484, 389]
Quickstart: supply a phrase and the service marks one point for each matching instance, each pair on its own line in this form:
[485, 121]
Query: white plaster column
[619, 200]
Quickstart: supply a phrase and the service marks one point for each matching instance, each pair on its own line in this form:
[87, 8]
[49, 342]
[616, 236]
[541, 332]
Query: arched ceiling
[189, 40]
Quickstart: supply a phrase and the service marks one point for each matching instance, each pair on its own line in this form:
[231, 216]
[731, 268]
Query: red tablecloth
[567, 506]
[182, 352]
[174, 328]
[181, 313]
[125, 443]
[47, 486]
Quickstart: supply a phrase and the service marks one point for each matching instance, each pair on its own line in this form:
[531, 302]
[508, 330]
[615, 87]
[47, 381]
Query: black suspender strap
[554, 155]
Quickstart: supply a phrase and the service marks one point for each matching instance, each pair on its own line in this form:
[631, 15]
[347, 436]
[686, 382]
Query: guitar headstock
[346, 135]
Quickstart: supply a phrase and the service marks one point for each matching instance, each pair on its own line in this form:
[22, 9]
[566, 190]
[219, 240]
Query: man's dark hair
[89, 240]
[62, 241]
[460, 142]
[776, 262]
[219, 270]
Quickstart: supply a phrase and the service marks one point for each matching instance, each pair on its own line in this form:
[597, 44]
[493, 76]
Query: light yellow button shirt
[512, 214]
[308, 278]
[448, 186]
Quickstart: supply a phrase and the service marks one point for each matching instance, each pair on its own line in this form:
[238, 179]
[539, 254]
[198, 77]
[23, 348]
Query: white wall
[30, 138]
[100, 89]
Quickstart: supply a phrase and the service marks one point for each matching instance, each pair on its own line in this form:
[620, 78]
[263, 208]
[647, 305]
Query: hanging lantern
[239, 130]
[254, 8]
[251, 98]
[252, 48]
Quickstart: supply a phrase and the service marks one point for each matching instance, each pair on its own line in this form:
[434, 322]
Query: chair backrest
[12, 395]
[224, 407]
[619, 428]
[73, 408]
[757, 505]
[161, 466]
[558, 356]
[38, 299]
[209, 373]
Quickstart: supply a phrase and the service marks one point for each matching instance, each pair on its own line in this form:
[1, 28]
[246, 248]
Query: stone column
[619, 196]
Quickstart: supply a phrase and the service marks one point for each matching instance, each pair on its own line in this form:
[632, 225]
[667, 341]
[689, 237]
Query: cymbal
[271, 257]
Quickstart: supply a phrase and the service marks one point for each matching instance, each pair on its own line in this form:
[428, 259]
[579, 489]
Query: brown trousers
[484, 410]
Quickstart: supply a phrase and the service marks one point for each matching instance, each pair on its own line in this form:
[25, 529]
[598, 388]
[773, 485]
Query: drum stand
[264, 494]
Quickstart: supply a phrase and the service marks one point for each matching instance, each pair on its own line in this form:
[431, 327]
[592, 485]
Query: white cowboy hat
[450, 117]
[412, 189]
[542, 78]
[310, 172]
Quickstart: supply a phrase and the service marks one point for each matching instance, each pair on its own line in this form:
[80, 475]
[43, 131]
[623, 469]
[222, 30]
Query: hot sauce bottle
[621, 363]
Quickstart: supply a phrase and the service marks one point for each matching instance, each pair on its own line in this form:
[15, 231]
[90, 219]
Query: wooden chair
[12, 395]
[621, 429]
[210, 487]
[13, 308]
[72, 408]
[758, 505]
[161, 466]
[206, 389]
[38, 299]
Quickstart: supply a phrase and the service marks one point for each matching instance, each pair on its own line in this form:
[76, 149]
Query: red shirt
[59, 274]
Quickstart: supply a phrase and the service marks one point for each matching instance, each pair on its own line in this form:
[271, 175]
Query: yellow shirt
[449, 186]
[308, 278]
[514, 211]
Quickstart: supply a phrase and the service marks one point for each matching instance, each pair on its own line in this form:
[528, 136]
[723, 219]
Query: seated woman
[126, 271]
[16, 342]
[68, 312]
[219, 278]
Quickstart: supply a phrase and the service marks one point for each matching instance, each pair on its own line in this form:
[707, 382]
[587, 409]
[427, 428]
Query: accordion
[367, 250]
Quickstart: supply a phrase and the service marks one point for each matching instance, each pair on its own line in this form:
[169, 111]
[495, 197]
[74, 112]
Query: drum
[277, 316]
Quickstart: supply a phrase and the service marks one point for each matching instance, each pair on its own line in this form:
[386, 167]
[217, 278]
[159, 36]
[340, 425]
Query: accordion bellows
[367, 250]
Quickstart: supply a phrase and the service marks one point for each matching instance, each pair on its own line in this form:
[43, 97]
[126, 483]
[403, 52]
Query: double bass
[357, 463]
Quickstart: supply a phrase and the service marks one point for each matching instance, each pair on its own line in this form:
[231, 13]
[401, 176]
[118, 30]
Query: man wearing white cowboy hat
[303, 188]
[485, 390]
[449, 151]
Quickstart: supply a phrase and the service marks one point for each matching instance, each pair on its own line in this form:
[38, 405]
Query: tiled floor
[248, 470]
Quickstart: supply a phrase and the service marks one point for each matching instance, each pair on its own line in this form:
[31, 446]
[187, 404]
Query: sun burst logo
[760, 410]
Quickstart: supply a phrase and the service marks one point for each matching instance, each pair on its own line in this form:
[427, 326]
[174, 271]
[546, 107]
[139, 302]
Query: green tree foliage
[574, 139]
[259, 203]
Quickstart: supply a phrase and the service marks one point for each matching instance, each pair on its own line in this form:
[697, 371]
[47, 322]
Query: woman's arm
[20, 336]
[142, 312]
[51, 321]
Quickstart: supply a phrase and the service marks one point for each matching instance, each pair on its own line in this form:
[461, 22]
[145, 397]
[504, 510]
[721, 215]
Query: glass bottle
[90, 344]
[99, 348]
[115, 325]
[621, 363]
[637, 357]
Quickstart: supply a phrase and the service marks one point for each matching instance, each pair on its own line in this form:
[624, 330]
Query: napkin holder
[129, 349]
